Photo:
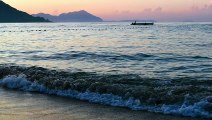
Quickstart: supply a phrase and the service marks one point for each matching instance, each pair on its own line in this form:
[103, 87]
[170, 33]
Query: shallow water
[164, 68]
[16, 105]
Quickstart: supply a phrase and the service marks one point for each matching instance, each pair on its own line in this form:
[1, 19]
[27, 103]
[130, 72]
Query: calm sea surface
[162, 50]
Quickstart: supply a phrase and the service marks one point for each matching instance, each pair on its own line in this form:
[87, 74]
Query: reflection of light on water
[165, 41]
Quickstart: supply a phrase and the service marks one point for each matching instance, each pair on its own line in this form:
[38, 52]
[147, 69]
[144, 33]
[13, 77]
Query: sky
[160, 10]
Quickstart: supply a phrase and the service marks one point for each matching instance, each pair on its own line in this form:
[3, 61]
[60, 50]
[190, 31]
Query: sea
[164, 68]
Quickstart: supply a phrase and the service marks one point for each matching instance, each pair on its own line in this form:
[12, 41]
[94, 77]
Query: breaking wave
[177, 96]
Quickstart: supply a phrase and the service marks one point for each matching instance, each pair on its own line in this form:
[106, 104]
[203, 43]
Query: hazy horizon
[160, 10]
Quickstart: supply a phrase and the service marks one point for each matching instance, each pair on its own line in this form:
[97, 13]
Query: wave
[111, 57]
[90, 55]
[177, 96]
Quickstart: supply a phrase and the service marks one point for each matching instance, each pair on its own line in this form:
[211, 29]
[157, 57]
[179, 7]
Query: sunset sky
[161, 10]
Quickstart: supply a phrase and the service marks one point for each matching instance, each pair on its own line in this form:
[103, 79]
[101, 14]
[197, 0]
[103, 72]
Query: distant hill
[78, 16]
[9, 14]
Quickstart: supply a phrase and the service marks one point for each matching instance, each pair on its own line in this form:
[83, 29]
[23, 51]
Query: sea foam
[193, 110]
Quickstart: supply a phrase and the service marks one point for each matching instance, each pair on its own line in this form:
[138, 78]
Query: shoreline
[20, 105]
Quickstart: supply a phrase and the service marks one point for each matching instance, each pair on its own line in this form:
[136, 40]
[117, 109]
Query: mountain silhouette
[77, 16]
[9, 14]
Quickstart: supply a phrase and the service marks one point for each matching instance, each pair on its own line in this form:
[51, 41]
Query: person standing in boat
[134, 23]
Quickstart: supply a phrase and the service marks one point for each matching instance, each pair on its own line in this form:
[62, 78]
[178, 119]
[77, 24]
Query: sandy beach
[17, 105]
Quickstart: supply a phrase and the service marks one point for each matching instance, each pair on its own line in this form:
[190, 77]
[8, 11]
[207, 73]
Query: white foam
[195, 110]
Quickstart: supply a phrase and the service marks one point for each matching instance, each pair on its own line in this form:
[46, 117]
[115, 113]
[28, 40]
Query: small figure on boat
[134, 23]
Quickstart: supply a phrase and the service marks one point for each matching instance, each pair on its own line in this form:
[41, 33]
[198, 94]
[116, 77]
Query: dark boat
[145, 23]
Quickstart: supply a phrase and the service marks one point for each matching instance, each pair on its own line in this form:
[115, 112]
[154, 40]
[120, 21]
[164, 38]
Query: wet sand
[17, 105]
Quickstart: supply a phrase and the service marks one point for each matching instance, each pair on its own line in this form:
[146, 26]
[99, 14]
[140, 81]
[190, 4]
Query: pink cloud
[195, 13]
[159, 9]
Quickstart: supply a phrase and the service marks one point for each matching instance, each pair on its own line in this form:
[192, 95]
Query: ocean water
[164, 68]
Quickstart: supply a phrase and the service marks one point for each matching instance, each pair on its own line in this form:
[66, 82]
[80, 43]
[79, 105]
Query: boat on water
[143, 23]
